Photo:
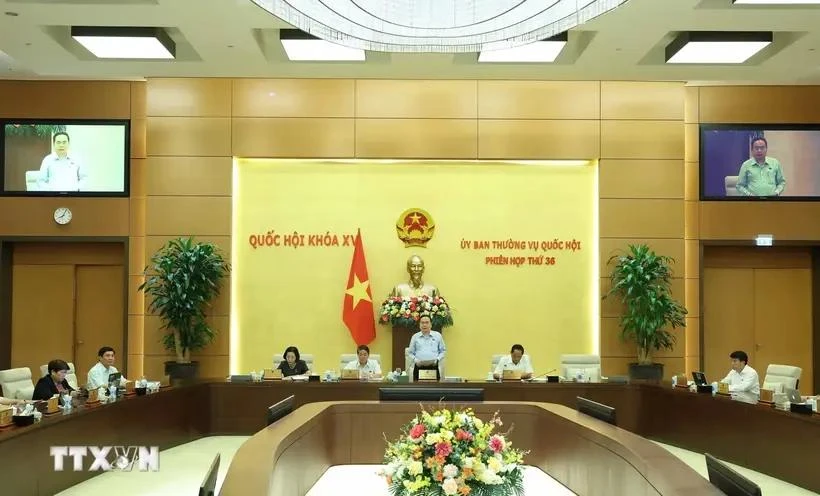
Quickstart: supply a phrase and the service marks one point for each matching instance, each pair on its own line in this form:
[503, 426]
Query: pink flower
[417, 431]
[443, 449]
[497, 444]
[462, 435]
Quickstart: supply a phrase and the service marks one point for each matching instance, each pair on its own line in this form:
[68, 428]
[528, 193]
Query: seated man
[367, 368]
[426, 348]
[516, 361]
[53, 382]
[744, 384]
[98, 375]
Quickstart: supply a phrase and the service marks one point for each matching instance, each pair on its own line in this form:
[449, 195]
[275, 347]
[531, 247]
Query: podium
[401, 340]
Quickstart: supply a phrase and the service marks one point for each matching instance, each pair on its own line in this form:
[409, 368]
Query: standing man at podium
[426, 348]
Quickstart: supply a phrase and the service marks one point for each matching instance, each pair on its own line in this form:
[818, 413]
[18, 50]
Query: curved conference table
[587, 456]
[777, 443]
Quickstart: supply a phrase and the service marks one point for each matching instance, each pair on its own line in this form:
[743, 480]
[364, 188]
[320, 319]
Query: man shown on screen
[760, 175]
[59, 170]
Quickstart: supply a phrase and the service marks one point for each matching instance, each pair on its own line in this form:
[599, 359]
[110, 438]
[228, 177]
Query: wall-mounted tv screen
[65, 158]
[759, 162]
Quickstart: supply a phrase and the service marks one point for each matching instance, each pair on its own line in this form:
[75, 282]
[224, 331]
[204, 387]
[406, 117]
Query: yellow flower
[415, 468]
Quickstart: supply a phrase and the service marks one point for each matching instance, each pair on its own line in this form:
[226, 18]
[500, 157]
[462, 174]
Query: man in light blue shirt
[60, 170]
[426, 348]
[761, 175]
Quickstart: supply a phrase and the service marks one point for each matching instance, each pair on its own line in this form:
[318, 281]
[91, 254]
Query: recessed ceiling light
[540, 51]
[301, 46]
[125, 42]
[776, 2]
[712, 47]
[11, 14]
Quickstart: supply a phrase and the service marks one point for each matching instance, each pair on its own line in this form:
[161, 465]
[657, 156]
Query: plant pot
[652, 372]
[181, 371]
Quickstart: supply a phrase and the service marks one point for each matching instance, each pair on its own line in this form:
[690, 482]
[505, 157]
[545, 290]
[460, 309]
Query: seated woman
[54, 382]
[367, 368]
[292, 364]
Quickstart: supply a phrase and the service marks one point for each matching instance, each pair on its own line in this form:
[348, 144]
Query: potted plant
[642, 279]
[182, 280]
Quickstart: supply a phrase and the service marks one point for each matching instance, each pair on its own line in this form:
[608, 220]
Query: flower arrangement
[404, 311]
[453, 453]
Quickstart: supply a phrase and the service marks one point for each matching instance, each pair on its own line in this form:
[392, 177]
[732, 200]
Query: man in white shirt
[98, 375]
[60, 171]
[367, 368]
[426, 348]
[744, 384]
[516, 361]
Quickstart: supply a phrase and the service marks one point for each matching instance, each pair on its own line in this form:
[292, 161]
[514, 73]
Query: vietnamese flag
[357, 308]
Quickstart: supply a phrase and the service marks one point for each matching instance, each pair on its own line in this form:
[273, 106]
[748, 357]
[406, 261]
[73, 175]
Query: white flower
[494, 464]
[447, 435]
[450, 486]
[435, 308]
[415, 468]
[463, 418]
[467, 462]
[489, 477]
[450, 470]
[433, 438]
[437, 420]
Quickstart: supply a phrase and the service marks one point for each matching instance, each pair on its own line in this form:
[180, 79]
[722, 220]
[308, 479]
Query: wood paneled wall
[195, 126]
[92, 217]
[642, 188]
[185, 131]
[739, 222]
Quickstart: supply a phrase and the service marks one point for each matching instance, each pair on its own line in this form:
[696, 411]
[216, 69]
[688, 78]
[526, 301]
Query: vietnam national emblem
[415, 227]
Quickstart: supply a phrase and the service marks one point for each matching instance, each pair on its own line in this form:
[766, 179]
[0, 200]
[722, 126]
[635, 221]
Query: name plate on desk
[681, 382]
[428, 375]
[6, 414]
[52, 405]
[93, 396]
[350, 375]
[766, 396]
[723, 388]
[511, 375]
[271, 374]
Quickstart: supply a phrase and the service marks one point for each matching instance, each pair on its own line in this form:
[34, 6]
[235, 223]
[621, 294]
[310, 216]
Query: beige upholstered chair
[349, 357]
[71, 376]
[308, 358]
[730, 184]
[17, 384]
[494, 361]
[781, 377]
[589, 366]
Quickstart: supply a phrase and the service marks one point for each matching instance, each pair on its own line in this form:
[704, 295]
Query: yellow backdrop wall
[285, 295]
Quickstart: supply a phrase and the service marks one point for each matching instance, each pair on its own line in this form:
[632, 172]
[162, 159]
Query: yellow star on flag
[358, 290]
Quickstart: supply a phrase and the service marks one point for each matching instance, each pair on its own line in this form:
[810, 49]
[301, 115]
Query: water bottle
[674, 381]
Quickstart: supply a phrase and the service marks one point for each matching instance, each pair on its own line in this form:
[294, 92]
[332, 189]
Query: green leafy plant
[642, 279]
[182, 280]
[44, 130]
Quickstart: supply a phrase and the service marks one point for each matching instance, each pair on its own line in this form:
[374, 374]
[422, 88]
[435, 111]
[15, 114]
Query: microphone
[542, 375]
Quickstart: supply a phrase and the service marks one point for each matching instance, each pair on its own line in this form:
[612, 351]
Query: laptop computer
[794, 396]
[699, 378]
[348, 374]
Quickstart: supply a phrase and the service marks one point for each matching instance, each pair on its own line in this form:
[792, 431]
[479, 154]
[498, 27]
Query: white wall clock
[62, 216]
